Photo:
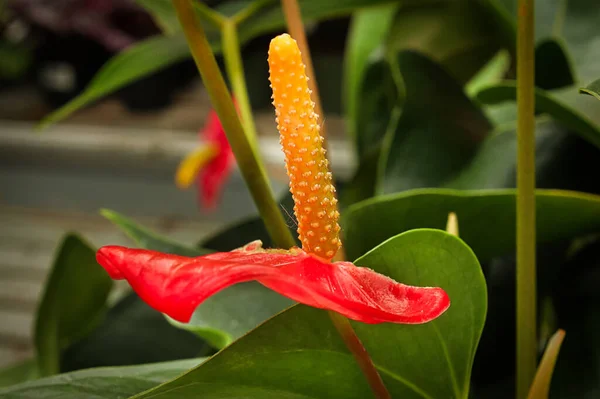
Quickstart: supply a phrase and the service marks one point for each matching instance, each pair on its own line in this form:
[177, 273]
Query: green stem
[361, 355]
[249, 163]
[235, 72]
[293, 19]
[526, 270]
[252, 8]
[209, 14]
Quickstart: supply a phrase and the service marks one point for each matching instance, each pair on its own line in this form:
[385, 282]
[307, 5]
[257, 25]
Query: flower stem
[361, 355]
[235, 72]
[293, 18]
[249, 163]
[526, 270]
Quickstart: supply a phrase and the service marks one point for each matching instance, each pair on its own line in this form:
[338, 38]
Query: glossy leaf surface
[486, 217]
[438, 133]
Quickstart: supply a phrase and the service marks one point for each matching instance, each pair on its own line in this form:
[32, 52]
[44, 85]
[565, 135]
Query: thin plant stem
[252, 8]
[235, 72]
[360, 354]
[293, 18]
[526, 270]
[248, 160]
[209, 14]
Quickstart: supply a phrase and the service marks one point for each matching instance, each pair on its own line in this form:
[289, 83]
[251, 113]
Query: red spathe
[176, 285]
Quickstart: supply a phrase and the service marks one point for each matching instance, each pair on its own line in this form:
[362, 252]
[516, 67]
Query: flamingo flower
[176, 285]
[210, 165]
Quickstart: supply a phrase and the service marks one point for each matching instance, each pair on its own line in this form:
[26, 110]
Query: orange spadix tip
[310, 180]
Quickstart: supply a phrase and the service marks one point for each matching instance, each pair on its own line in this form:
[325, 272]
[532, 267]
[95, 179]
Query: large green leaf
[593, 89]
[73, 302]
[575, 22]
[226, 315]
[368, 29]
[378, 107]
[298, 354]
[455, 34]
[563, 161]
[486, 217]
[552, 52]
[575, 112]
[108, 383]
[438, 133]
[140, 60]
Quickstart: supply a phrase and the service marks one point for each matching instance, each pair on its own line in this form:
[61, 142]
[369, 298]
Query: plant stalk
[235, 72]
[248, 160]
[360, 354]
[293, 19]
[526, 355]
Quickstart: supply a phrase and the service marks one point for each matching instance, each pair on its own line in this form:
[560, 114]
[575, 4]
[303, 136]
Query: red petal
[176, 285]
[214, 175]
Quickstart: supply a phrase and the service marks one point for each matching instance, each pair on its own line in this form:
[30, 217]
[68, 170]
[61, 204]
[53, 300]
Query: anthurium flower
[176, 285]
[210, 165]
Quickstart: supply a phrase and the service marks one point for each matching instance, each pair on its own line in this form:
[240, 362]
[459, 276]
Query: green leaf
[551, 52]
[225, 316]
[368, 30]
[438, 133]
[567, 107]
[298, 354]
[73, 302]
[108, 383]
[163, 13]
[140, 60]
[455, 34]
[492, 73]
[378, 107]
[231, 313]
[541, 384]
[148, 239]
[574, 22]
[15, 374]
[593, 89]
[486, 217]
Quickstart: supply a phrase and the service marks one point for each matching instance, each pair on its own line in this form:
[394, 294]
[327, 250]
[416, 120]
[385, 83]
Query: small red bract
[214, 174]
[176, 285]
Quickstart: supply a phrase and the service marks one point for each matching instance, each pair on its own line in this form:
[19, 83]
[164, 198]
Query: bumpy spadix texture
[310, 180]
